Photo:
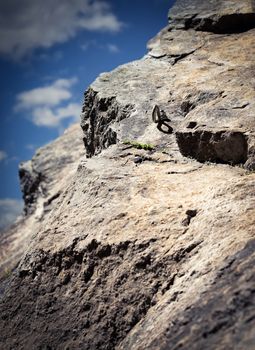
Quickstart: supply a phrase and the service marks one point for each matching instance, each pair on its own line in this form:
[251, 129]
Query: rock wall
[147, 242]
[42, 181]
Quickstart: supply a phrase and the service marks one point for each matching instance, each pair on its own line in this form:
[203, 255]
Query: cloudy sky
[50, 51]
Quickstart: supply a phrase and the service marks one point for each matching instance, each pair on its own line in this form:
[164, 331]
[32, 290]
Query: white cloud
[10, 209]
[113, 48]
[3, 155]
[50, 95]
[72, 110]
[44, 116]
[29, 24]
[52, 118]
[44, 104]
[100, 22]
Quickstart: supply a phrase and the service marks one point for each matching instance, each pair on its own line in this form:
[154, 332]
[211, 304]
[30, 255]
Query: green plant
[7, 273]
[138, 145]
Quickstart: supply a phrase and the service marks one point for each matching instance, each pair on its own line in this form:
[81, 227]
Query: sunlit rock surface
[130, 248]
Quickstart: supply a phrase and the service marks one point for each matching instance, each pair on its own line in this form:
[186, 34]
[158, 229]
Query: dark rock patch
[218, 16]
[30, 181]
[191, 213]
[228, 147]
[228, 24]
[97, 116]
[98, 294]
[191, 125]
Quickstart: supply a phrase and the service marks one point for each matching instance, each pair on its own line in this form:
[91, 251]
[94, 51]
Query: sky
[50, 51]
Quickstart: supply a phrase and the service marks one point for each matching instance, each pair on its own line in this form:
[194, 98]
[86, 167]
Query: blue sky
[50, 52]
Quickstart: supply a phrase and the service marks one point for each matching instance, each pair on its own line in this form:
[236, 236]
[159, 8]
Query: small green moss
[7, 273]
[138, 145]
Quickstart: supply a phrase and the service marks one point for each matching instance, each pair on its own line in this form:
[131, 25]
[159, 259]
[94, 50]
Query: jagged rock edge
[98, 113]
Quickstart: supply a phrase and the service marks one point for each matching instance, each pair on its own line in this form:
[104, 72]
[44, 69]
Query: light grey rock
[202, 81]
[159, 253]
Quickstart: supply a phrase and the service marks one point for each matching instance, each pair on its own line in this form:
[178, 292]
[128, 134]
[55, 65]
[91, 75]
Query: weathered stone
[42, 181]
[156, 253]
[217, 16]
[208, 146]
[29, 184]
[97, 115]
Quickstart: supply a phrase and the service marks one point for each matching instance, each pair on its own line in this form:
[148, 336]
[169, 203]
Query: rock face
[149, 244]
[216, 16]
[42, 180]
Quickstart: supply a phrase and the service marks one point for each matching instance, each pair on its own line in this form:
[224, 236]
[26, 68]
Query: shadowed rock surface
[147, 242]
[217, 16]
[220, 146]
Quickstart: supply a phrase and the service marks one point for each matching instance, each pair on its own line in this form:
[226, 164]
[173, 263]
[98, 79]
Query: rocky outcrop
[42, 180]
[216, 16]
[98, 115]
[30, 185]
[150, 241]
[220, 146]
